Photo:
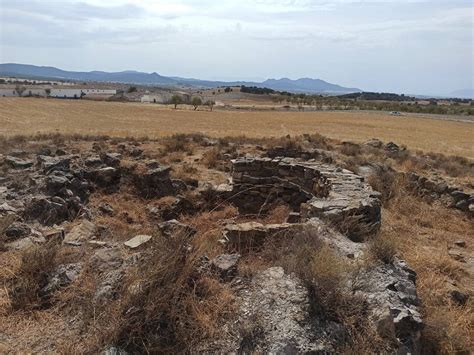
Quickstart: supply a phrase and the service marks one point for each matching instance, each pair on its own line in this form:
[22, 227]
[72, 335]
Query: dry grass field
[30, 116]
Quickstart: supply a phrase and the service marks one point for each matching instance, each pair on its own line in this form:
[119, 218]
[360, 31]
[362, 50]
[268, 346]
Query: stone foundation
[313, 188]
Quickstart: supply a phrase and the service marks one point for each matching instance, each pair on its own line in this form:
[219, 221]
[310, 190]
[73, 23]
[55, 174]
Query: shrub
[36, 263]
[383, 248]
[167, 306]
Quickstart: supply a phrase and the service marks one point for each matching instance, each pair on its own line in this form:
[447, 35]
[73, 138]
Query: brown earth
[30, 116]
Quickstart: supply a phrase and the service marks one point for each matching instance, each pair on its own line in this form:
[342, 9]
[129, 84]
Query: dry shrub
[387, 182]
[279, 214]
[356, 227]
[25, 287]
[349, 148]
[383, 248]
[451, 165]
[177, 143]
[208, 225]
[167, 305]
[319, 141]
[211, 158]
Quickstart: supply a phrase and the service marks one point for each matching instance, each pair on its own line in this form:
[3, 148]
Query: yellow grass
[29, 116]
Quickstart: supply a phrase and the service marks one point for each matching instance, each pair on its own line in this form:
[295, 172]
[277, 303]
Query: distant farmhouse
[57, 93]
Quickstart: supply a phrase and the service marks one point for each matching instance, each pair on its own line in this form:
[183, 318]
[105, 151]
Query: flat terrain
[30, 116]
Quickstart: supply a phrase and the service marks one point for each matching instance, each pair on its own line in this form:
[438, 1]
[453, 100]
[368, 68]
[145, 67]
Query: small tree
[196, 102]
[20, 90]
[47, 92]
[227, 89]
[132, 89]
[176, 100]
[210, 104]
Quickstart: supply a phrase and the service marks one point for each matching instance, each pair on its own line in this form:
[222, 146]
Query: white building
[58, 93]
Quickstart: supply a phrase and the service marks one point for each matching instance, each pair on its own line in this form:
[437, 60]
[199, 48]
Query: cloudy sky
[401, 46]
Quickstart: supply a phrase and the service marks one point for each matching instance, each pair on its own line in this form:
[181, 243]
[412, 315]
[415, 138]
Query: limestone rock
[61, 277]
[81, 232]
[137, 241]
[17, 163]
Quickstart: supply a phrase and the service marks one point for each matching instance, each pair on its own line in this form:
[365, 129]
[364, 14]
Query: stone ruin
[325, 197]
[311, 188]
[331, 203]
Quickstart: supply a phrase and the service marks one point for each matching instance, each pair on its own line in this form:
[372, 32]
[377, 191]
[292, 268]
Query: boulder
[154, 183]
[17, 163]
[61, 163]
[81, 232]
[111, 159]
[226, 265]
[460, 298]
[106, 209]
[61, 277]
[106, 178]
[55, 183]
[391, 147]
[93, 161]
[17, 230]
[174, 227]
[374, 143]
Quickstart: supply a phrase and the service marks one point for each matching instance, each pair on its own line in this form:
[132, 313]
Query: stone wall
[453, 196]
[313, 188]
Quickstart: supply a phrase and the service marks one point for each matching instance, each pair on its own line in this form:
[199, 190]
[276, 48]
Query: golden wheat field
[30, 116]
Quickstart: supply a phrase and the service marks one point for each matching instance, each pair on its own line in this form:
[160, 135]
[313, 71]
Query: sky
[405, 46]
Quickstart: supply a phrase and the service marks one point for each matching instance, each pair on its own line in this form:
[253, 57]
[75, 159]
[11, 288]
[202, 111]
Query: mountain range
[303, 85]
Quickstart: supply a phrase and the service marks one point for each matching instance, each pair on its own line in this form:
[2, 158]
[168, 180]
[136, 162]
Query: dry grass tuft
[423, 232]
[26, 284]
[177, 143]
[383, 248]
[387, 182]
[167, 305]
[211, 158]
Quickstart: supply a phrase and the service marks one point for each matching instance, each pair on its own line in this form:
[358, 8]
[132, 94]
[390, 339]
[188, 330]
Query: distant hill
[464, 93]
[305, 85]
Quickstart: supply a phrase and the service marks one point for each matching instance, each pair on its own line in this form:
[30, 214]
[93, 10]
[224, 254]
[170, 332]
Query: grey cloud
[63, 10]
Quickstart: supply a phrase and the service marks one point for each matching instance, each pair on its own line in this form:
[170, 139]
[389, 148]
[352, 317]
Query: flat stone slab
[137, 241]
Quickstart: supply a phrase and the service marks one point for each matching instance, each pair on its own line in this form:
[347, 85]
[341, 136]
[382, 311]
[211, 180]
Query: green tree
[47, 91]
[20, 90]
[132, 89]
[196, 102]
[210, 104]
[176, 100]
